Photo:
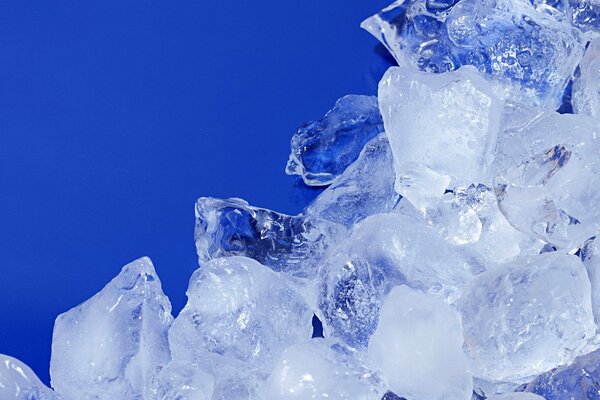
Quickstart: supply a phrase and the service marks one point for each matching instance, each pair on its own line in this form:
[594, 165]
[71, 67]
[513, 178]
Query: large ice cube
[586, 85]
[322, 150]
[241, 311]
[323, 369]
[552, 170]
[579, 380]
[232, 227]
[365, 188]
[383, 251]
[112, 346]
[442, 130]
[527, 317]
[19, 382]
[418, 346]
[528, 56]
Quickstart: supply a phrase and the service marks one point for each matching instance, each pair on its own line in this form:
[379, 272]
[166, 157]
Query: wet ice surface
[452, 254]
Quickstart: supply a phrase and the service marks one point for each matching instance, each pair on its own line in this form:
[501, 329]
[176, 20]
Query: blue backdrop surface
[116, 115]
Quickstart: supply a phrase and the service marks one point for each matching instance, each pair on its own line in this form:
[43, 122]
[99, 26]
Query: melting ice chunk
[282, 242]
[527, 55]
[551, 179]
[383, 251]
[241, 311]
[112, 346]
[442, 130]
[322, 150]
[419, 341]
[365, 188]
[323, 369]
[586, 86]
[19, 382]
[527, 317]
[579, 380]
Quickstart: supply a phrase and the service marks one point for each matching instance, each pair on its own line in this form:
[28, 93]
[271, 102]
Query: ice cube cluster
[452, 254]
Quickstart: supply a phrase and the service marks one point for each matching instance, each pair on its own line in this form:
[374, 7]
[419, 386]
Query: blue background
[116, 115]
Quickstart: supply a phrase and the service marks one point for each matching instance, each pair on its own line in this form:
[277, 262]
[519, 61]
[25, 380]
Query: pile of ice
[451, 255]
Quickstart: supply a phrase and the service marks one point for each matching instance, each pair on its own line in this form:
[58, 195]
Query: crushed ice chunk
[322, 150]
[442, 130]
[527, 317]
[528, 56]
[383, 251]
[323, 369]
[579, 380]
[183, 381]
[586, 85]
[240, 312]
[516, 396]
[365, 188]
[281, 242]
[549, 183]
[590, 254]
[19, 382]
[413, 351]
[112, 346]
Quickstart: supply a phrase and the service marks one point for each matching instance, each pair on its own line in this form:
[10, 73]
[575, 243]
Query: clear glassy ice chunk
[241, 312]
[113, 345]
[418, 347]
[442, 130]
[322, 150]
[183, 381]
[528, 56]
[586, 85]
[19, 382]
[383, 251]
[323, 369]
[527, 317]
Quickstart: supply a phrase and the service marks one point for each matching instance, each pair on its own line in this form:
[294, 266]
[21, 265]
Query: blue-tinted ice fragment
[580, 380]
[584, 14]
[321, 150]
[528, 56]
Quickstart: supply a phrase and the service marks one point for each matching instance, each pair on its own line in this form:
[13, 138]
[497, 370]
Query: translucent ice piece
[112, 346]
[590, 254]
[281, 242]
[442, 130]
[239, 310]
[383, 251]
[322, 150]
[19, 382]
[516, 396]
[418, 347]
[365, 188]
[527, 317]
[548, 191]
[322, 369]
[580, 380]
[585, 14]
[586, 86]
[528, 56]
[183, 381]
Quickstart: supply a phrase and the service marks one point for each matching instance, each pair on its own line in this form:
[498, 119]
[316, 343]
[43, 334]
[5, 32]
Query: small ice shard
[527, 317]
[323, 369]
[383, 251]
[517, 396]
[113, 345]
[19, 382]
[281, 242]
[579, 380]
[242, 311]
[442, 130]
[586, 85]
[549, 187]
[365, 188]
[322, 150]
[183, 381]
[418, 347]
[590, 254]
[527, 56]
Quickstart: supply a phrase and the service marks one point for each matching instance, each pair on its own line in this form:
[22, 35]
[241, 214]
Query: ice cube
[586, 85]
[19, 382]
[418, 347]
[527, 317]
[113, 345]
